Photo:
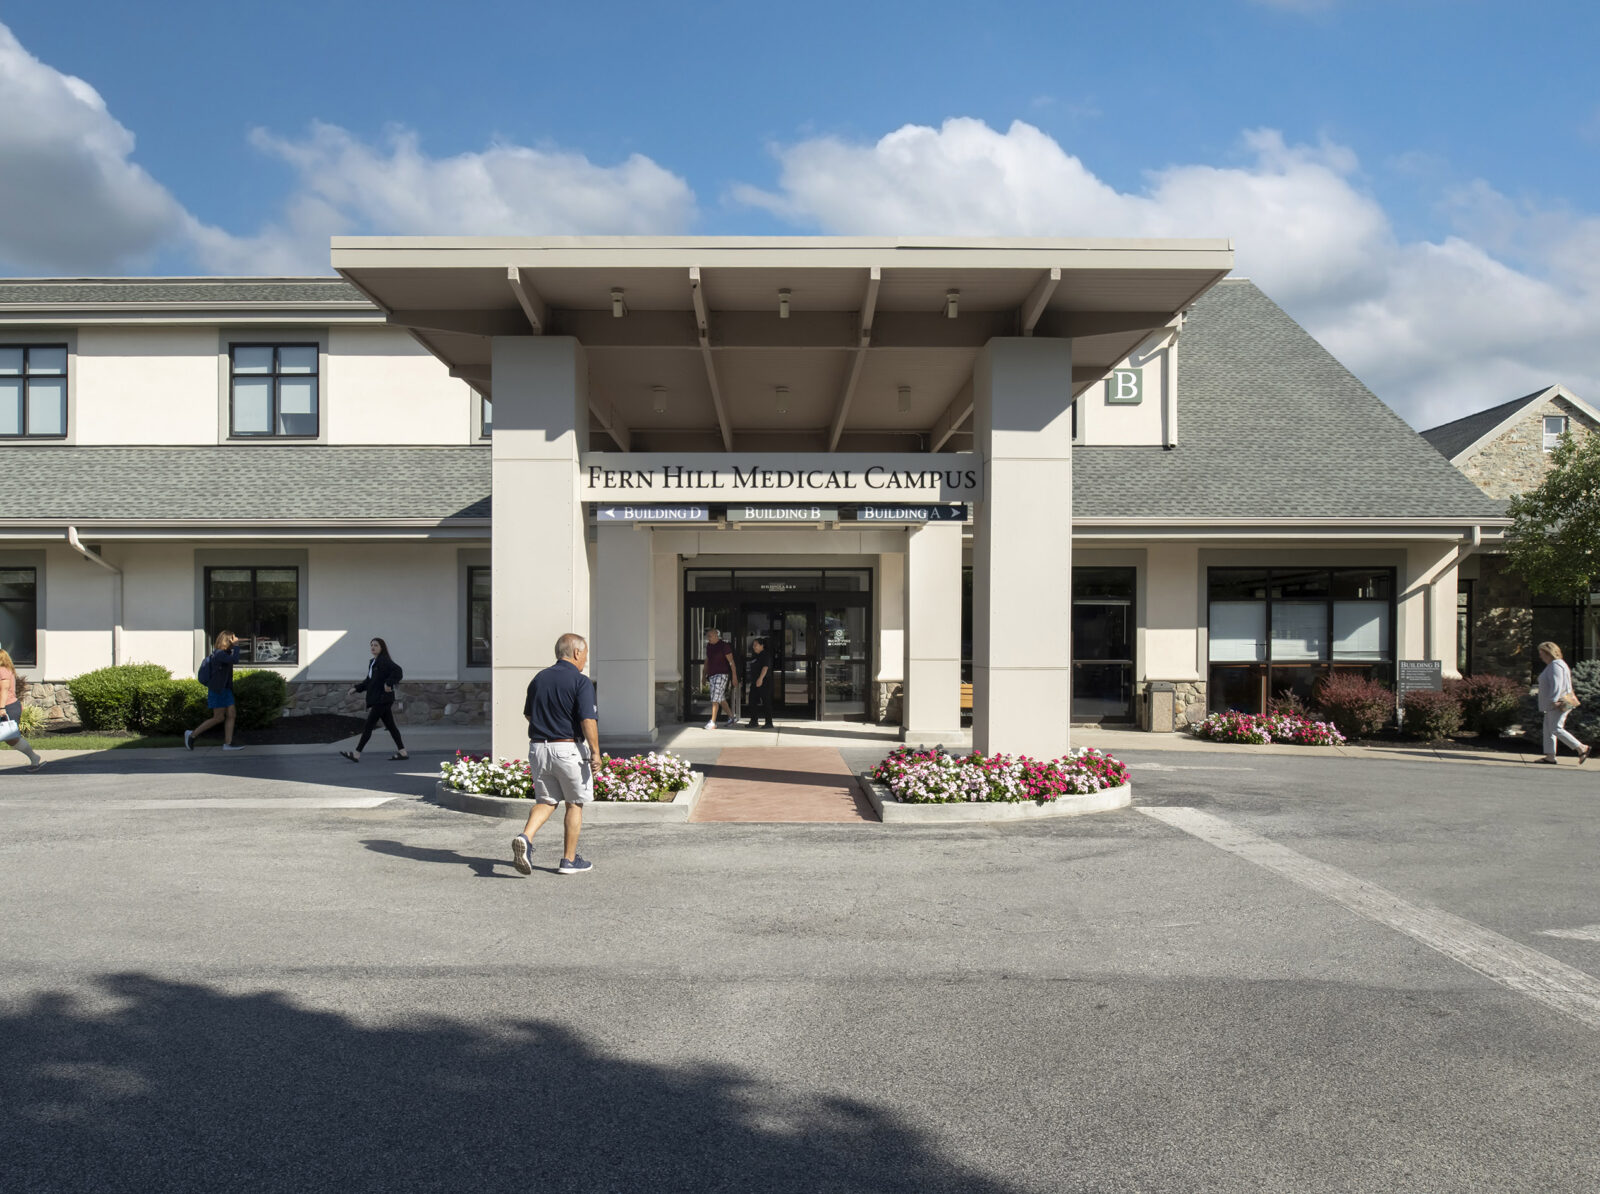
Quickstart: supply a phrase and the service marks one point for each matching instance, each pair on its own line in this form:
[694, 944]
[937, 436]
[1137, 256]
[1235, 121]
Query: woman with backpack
[216, 673]
[11, 702]
[383, 673]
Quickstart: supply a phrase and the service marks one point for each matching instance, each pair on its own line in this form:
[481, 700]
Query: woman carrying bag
[383, 673]
[216, 673]
[11, 702]
[1556, 700]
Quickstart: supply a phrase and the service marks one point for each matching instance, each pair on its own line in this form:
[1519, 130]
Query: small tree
[1555, 531]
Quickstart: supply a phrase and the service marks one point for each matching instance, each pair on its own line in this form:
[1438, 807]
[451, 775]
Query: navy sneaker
[576, 865]
[522, 854]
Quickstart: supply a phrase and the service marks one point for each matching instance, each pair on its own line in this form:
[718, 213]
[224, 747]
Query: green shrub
[1359, 707]
[107, 699]
[1489, 704]
[32, 721]
[171, 706]
[1431, 715]
[1584, 721]
[261, 697]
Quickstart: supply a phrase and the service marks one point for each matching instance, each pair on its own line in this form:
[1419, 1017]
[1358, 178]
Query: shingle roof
[243, 482]
[1460, 434]
[104, 291]
[1271, 426]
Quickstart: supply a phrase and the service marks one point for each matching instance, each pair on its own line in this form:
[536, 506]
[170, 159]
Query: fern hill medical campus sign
[781, 477]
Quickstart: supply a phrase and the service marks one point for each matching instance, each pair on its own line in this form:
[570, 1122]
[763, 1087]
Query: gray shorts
[561, 771]
[719, 687]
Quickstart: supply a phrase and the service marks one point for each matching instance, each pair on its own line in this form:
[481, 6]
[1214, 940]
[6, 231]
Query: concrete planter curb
[893, 812]
[598, 812]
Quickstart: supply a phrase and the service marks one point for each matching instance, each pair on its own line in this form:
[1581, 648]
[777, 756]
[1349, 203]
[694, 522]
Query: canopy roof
[689, 339]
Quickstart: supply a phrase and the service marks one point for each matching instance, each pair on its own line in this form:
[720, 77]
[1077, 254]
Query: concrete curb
[893, 812]
[598, 812]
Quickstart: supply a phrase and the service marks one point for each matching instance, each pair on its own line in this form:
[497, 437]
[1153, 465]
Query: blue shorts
[219, 700]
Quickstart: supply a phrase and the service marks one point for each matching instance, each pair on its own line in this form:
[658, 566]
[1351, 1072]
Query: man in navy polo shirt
[563, 743]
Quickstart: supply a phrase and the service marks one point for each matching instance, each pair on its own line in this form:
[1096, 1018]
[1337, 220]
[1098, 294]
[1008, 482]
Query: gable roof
[1272, 427]
[1464, 438]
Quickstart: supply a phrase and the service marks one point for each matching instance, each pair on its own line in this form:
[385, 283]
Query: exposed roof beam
[957, 413]
[528, 299]
[476, 374]
[702, 322]
[494, 322]
[1076, 324]
[606, 413]
[1089, 372]
[1038, 298]
[869, 306]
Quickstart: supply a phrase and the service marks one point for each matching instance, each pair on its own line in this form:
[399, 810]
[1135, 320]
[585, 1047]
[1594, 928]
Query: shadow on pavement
[482, 868]
[186, 1088]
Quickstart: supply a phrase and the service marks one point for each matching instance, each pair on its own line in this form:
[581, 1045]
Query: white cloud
[344, 186]
[71, 201]
[1438, 329]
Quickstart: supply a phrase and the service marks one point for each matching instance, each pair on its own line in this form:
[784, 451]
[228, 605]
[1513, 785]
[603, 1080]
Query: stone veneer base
[598, 812]
[893, 812]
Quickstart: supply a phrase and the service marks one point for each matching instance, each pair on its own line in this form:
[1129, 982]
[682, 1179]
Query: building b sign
[827, 478]
[1125, 387]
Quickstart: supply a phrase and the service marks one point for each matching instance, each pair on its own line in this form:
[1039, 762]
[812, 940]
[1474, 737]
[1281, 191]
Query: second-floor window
[488, 417]
[1555, 426]
[33, 390]
[273, 390]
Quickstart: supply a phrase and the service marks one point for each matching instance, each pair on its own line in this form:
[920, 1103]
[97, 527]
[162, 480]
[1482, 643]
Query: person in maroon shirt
[720, 676]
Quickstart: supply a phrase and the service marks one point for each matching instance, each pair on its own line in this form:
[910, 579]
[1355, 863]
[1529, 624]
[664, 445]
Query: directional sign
[653, 513]
[783, 513]
[911, 514]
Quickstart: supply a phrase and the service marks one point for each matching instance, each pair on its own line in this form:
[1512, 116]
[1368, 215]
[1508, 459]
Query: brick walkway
[781, 783]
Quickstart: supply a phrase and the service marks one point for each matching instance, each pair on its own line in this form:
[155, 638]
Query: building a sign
[911, 514]
[653, 513]
[780, 477]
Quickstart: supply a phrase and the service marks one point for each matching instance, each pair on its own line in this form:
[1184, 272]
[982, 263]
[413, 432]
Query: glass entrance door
[1102, 644]
[792, 651]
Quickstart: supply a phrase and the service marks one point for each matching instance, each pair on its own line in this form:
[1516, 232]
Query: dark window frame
[472, 659]
[66, 393]
[485, 417]
[1270, 573]
[247, 635]
[275, 376]
[32, 660]
[1466, 611]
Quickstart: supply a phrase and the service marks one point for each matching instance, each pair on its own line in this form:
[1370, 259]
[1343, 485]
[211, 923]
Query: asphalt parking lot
[251, 994]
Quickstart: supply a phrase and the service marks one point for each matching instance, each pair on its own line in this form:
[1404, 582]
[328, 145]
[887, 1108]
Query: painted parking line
[233, 802]
[1538, 976]
[1585, 933]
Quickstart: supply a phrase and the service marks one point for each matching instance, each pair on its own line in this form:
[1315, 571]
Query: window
[273, 390]
[261, 606]
[488, 416]
[1464, 627]
[33, 390]
[19, 614]
[480, 637]
[1555, 426]
[1280, 630]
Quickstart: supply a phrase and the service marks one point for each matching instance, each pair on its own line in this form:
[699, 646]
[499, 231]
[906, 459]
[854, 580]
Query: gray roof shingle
[243, 482]
[110, 291]
[1460, 434]
[1270, 426]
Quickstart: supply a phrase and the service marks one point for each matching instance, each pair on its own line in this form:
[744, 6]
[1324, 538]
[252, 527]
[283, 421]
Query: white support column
[539, 556]
[931, 706]
[1022, 548]
[1427, 604]
[667, 603]
[889, 621]
[623, 649]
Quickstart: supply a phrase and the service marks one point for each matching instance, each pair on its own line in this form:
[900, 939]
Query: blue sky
[1413, 181]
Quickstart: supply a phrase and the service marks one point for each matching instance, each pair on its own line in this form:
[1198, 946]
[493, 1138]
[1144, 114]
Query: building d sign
[831, 478]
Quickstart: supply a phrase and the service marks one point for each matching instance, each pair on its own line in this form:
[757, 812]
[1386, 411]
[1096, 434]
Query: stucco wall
[384, 388]
[1515, 461]
[404, 593]
[145, 385]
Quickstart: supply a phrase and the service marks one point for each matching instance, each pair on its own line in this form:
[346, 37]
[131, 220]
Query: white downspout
[116, 591]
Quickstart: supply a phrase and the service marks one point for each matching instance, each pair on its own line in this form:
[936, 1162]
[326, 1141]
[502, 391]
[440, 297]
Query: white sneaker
[231, 746]
[711, 725]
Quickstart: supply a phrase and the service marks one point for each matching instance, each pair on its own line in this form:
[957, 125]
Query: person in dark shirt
[760, 673]
[563, 745]
[720, 676]
[218, 669]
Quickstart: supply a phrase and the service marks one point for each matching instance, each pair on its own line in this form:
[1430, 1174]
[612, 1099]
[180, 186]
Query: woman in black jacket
[383, 673]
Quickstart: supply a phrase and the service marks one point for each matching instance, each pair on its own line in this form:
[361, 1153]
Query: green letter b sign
[1125, 387]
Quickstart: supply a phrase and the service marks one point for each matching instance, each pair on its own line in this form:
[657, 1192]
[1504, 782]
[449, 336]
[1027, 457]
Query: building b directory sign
[783, 514]
[782, 478]
[1418, 675]
[679, 513]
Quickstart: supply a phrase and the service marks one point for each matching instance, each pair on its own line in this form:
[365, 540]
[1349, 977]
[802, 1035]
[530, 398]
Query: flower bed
[934, 777]
[641, 778]
[1259, 730]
